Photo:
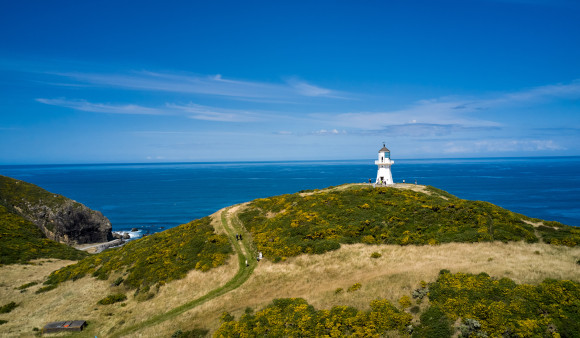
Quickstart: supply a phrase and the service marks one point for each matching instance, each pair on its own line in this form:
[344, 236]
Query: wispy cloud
[499, 146]
[200, 112]
[307, 89]
[329, 132]
[204, 85]
[542, 93]
[425, 113]
[84, 105]
[426, 130]
[191, 110]
[448, 114]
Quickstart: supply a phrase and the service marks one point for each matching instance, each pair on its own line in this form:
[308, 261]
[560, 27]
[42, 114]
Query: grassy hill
[154, 260]
[482, 306]
[22, 241]
[349, 260]
[316, 222]
[59, 218]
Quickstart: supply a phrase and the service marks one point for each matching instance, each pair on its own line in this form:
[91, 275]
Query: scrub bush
[290, 225]
[114, 298]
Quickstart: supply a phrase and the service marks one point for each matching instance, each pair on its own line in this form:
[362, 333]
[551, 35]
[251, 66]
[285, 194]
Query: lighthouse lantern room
[384, 162]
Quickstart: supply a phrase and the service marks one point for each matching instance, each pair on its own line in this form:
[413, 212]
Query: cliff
[59, 218]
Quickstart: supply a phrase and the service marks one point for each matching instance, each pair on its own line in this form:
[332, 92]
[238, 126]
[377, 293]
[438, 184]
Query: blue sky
[165, 81]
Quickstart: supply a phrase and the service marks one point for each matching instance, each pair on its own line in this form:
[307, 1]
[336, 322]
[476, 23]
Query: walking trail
[247, 253]
[246, 264]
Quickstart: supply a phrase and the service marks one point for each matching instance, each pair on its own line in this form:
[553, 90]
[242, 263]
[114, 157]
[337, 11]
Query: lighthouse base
[384, 176]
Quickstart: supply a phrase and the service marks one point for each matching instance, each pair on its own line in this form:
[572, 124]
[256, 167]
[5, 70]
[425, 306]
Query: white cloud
[441, 113]
[83, 105]
[500, 146]
[200, 112]
[204, 85]
[193, 111]
[541, 93]
[329, 132]
[307, 89]
[425, 113]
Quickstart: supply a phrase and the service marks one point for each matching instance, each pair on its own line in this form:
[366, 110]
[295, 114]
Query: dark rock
[126, 236]
[60, 219]
[134, 229]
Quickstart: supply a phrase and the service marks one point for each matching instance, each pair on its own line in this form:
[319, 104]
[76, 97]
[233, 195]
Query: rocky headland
[59, 218]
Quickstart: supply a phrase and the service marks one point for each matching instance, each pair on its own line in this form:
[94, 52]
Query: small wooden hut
[71, 325]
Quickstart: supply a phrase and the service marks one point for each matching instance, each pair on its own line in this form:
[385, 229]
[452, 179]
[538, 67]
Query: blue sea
[153, 197]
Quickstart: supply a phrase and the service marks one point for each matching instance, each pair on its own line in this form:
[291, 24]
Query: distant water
[153, 197]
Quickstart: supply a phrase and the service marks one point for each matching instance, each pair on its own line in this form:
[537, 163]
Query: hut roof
[70, 325]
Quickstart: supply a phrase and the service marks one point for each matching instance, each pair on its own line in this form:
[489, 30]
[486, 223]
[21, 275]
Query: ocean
[153, 197]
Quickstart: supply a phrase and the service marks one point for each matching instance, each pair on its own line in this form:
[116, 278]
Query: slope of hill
[316, 222]
[482, 306]
[156, 259]
[22, 241]
[370, 260]
[60, 219]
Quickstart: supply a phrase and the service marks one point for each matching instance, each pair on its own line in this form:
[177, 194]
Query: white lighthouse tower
[384, 162]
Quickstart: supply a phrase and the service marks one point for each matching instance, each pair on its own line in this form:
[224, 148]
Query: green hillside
[22, 241]
[472, 305]
[59, 218]
[15, 193]
[387, 296]
[155, 260]
[289, 225]
[316, 222]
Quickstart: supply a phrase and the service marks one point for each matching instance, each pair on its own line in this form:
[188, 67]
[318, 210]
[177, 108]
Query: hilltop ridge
[404, 214]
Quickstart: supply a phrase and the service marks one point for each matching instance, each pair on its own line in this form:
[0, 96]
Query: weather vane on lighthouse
[384, 175]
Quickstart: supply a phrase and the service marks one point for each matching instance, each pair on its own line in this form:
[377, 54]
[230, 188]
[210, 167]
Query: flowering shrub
[354, 287]
[497, 307]
[155, 259]
[294, 317]
[289, 225]
[114, 298]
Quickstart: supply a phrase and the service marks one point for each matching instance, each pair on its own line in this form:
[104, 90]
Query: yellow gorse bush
[294, 317]
[319, 222]
[155, 259]
[504, 308]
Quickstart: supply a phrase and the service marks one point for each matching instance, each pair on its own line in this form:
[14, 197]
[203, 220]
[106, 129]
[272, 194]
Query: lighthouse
[384, 162]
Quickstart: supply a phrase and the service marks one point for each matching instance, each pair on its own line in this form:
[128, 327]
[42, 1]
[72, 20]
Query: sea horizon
[160, 195]
[284, 161]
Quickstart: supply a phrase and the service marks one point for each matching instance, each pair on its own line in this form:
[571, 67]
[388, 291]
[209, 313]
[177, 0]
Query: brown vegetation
[398, 272]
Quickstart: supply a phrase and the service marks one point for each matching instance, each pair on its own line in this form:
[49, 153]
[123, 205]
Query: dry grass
[399, 271]
[78, 299]
[402, 186]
